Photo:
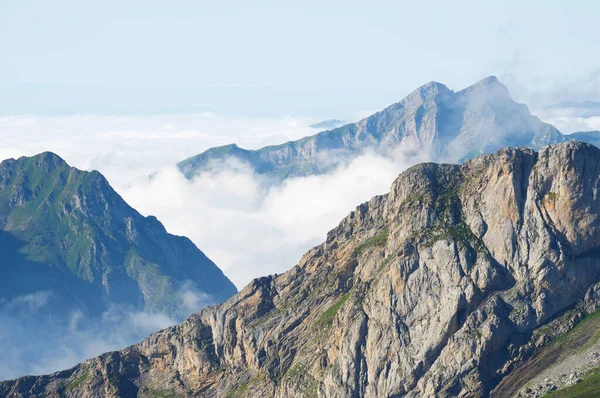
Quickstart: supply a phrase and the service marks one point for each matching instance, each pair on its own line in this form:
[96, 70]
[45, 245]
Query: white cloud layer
[250, 228]
[568, 120]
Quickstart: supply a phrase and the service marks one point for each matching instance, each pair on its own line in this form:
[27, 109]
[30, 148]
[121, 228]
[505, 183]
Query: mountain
[568, 104]
[584, 109]
[591, 137]
[575, 105]
[458, 282]
[447, 125]
[67, 232]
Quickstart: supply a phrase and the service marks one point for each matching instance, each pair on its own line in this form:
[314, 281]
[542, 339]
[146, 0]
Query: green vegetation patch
[588, 388]
[376, 240]
[78, 382]
[267, 317]
[551, 196]
[327, 317]
[152, 393]
[584, 335]
[458, 232]
[238, 391]
[299, 376]
[295, 371]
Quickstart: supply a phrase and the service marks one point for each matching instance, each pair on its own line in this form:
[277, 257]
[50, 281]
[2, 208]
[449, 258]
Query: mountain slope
[441, 287]
[67, 232]
[431, 120]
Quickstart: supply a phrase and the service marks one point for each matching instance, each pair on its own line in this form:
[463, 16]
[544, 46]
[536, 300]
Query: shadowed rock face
[438, 288]
[431, 121]
[67, 232]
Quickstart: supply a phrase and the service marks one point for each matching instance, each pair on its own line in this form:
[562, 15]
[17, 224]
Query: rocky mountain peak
[426, 95]
[489, 81]
[46, 161]
[432, 88]
[48, 157]
[489, 89]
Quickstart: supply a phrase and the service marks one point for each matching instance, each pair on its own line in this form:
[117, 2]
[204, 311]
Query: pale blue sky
[329, 58]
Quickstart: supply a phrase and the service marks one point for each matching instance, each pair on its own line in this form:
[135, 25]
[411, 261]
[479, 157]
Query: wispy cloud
[26, 303]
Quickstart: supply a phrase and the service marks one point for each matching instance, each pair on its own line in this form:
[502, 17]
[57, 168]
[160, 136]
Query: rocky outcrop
[440, 288]
[432, 122]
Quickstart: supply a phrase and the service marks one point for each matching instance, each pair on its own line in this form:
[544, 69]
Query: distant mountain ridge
[433, 121]
[591, 137]
[584, 109]
[576, 105]
[66, 231]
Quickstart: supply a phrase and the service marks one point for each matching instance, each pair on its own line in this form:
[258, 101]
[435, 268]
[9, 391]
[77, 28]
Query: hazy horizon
[301, 59]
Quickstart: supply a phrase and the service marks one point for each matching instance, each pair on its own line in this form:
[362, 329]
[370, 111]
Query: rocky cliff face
[433, 120]
[67, 232]
[442, 287]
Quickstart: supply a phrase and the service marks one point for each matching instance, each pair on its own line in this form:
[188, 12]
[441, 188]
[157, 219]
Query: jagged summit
[433, 121]
[47, 156]
[47, 160]
[487, 82]
[432, 87]
[446, 286]
[490, 87]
